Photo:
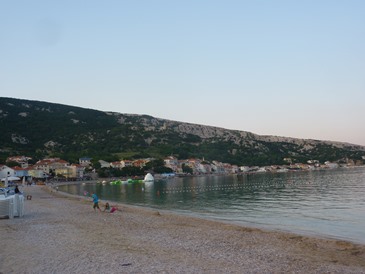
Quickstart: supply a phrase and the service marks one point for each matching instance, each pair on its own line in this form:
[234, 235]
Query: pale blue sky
[287, 68]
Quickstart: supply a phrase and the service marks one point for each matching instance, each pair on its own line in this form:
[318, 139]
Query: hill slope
[40, 129]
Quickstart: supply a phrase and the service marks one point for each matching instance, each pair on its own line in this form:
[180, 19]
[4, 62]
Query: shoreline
[61, 233]
[306, 231]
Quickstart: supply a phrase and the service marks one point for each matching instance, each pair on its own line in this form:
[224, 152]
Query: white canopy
[10, 178]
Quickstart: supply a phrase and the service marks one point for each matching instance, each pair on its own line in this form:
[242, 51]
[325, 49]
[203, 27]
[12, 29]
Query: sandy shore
[62, 234]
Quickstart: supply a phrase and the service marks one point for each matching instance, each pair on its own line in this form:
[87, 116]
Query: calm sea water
[327, 203]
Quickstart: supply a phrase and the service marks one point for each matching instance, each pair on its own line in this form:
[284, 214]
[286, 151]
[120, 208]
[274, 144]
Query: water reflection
[316, 202]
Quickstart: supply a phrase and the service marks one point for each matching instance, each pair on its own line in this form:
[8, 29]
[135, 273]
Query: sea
[322, 203]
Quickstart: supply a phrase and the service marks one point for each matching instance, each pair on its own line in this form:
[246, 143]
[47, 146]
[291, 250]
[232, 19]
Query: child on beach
[95, 201]
[108, 209]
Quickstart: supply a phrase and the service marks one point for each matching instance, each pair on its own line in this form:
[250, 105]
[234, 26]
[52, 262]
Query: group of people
[107, 207]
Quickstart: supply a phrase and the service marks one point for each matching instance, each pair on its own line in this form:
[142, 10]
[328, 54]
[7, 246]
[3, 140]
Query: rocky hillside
[40, 129]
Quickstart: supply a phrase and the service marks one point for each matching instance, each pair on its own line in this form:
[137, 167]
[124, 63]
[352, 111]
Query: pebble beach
[61, 233]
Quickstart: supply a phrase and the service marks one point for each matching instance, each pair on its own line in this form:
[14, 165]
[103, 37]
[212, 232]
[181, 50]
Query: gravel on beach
[61, 233]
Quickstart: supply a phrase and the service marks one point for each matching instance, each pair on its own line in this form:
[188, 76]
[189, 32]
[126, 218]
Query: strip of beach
[61, 233]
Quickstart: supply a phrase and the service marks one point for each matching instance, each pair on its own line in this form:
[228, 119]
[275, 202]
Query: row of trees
[154, 166]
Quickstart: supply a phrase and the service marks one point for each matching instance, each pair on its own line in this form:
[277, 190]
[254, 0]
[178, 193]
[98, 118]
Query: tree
[12, 164]
[187, 169]
[162, 169]
[132, 171]
[153, 164]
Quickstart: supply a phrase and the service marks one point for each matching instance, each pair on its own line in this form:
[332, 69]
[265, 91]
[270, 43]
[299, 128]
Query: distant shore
[61, 233]
[160, 177]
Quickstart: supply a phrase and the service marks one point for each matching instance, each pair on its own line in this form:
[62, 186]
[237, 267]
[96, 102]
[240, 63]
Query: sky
[284, 68]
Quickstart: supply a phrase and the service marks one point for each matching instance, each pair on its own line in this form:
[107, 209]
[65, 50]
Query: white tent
[10, 178]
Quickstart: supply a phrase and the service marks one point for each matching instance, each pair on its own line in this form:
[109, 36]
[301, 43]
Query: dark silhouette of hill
[41, 129]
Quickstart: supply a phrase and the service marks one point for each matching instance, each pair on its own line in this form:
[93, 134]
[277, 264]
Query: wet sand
[61, 233]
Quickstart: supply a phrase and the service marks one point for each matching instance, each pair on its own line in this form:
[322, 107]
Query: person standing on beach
[16, 190]
[96, 202]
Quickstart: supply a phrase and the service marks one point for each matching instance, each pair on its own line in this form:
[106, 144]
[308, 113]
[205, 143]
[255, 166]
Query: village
[59, 169]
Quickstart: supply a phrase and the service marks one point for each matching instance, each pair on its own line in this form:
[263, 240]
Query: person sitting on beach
[109, 209]
[106, 207]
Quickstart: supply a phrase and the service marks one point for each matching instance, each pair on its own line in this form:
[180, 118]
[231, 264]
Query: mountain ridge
[50, 129]
[245, 134]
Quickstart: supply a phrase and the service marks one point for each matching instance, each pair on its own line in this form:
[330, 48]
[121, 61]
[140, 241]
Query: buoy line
[230, 187]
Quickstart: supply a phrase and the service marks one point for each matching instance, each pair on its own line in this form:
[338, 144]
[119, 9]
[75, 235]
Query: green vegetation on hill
[41, 129]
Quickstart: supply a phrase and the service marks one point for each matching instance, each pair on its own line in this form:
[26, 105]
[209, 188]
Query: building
[20, 172]
[85, 161]
[126, 163]
[22, 160]
[116, 164]
[104, 164]
[50, 164]
[6, 171]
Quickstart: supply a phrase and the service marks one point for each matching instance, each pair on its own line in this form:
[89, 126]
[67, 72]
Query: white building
[6, 171]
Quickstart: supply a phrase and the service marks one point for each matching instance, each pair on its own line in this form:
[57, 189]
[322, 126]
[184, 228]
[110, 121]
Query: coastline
[61, 233]
[307, 222]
